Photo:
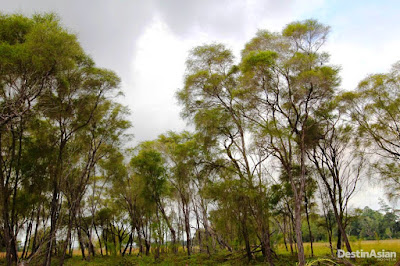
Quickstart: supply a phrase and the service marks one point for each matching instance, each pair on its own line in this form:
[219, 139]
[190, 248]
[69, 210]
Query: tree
[148, 164]
[180, 152]
[103, 136]
[69, 107]
[33, 51]
[286, 81]
[375, 108]
[339, 164]
[211, 98]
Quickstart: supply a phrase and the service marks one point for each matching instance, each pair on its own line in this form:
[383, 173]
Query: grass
[322, 248]
[321, 257]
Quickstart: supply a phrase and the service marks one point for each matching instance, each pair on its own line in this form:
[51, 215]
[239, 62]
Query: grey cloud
[106, 29]
[225, 18]
[109, 30]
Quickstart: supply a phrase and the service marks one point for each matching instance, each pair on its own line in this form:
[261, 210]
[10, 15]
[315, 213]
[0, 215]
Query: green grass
[321, 252]
[321, 257]
[181, 259]
[322, 248]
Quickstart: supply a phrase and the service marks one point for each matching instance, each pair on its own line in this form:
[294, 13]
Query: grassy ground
[321, 252]
[322, 248]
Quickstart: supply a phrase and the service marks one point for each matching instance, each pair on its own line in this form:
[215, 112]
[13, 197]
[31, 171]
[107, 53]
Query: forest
[265, 174]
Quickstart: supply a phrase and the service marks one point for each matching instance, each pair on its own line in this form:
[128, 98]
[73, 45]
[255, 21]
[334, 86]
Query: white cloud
[157, 72]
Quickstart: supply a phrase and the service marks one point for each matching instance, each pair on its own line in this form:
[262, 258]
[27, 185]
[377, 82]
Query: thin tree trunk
[299, 237]
[27, 237]
[91, 246]
[187, 226]
[138, 230]
[127, 244]
[171, 229]
[290, 232]
[246, 235]
[341, 229]
[65, 246]
[199, 237]
[53, 221]
[309, 227]
[98, 237]
[330, 242]
[54, 206]
[339, 240]
[81, 244]
[104, 233]
[284, 232]
[130, 246]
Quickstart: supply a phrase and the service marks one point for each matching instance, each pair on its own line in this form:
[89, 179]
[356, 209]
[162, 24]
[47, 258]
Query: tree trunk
[187, 226]
[53, 221]
[171, 229]
[330, 243]
[65, 246]
[8, 220]
[206, 227]
[127, 244]
[309, 227]
[91, 246]
[339, 240]
[105, 239]
[130, 246]
[266, 244]
[139, 239]
[34, 248]
[246, 235]
[341, 229]
[199, 237]
[262, 220]
[299, 238]
[284, 233]
[27, 236]
[11, 254]
[98, 237]
[81, 244]
[54, 207]
[147, 245]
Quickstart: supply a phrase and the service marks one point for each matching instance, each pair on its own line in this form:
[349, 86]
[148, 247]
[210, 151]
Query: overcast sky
[146, 42]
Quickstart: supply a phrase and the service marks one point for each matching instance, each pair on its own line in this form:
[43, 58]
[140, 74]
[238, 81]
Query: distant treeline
[365, 224]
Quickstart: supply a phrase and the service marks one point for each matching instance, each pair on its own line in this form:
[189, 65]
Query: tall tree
[102, 137]
[148, 164]
[339, 163]
[375, 108]
[33, 51]
[286, 81]
[69, 106]
[180, 154]
[210, 98]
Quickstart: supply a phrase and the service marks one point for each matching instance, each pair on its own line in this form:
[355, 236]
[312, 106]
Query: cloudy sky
[146, 42]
